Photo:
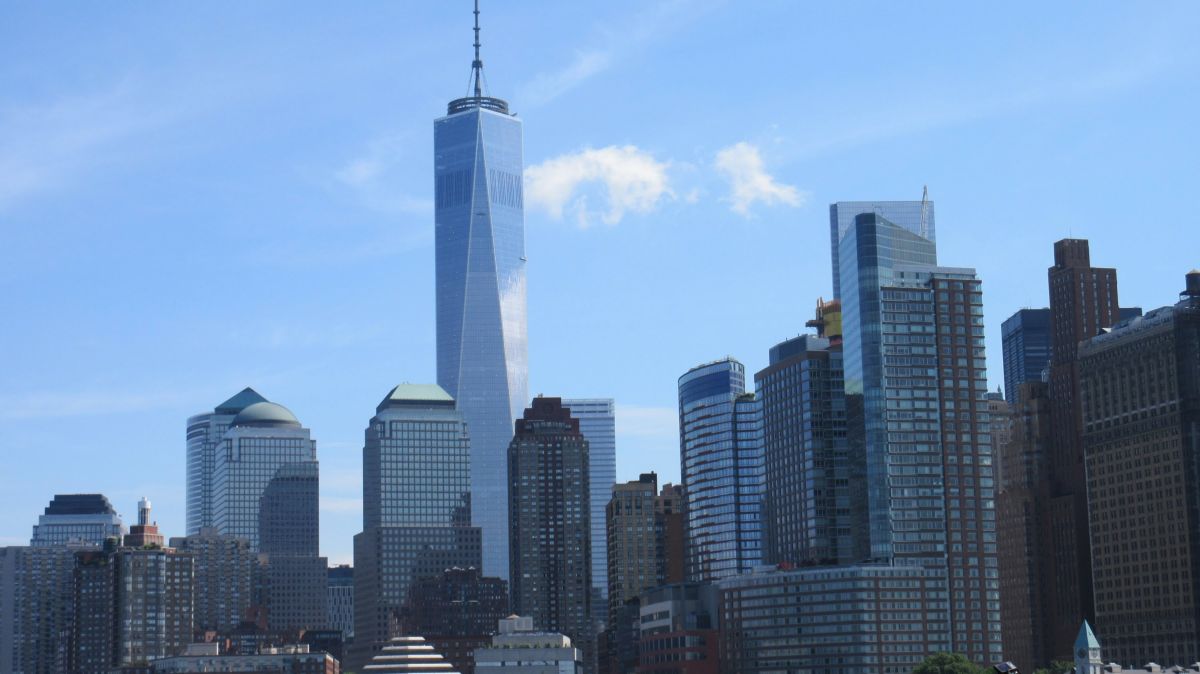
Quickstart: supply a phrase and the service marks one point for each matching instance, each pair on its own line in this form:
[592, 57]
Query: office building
[798, 621]
[678, 630]
[260, 440]
[479, 241]
[295, 574]
[224, 571]
[341, 600]
[597, 422]
[721, 458]
[914, 217]
[204, 433]
[204, 657]
[550, 519]
[914, 366]
[457, 612]
[416, 507]
[76, 519]
[520, 649]
[1026, 572]
[1026, 344]
[1139, 397]
[10, 565]
[809, 504]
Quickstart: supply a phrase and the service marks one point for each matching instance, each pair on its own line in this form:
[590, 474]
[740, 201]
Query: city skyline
[209, 280]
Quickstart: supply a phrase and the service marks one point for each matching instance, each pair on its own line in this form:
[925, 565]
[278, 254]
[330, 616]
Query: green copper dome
[266, 414]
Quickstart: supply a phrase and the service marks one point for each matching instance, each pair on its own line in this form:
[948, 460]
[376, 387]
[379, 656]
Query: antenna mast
[477, 64]
[924, 206]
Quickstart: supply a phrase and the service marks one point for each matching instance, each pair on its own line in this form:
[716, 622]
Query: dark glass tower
[480, 261]
[721, 461]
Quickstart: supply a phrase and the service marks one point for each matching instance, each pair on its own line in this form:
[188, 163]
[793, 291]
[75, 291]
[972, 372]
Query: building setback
[76, 519]
[1026, 347]
[1139, 397]
[204, 433]
[550, 519]
[416, 508]
[721, 462]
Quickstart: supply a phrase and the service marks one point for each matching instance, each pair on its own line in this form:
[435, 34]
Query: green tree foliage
[948, 663]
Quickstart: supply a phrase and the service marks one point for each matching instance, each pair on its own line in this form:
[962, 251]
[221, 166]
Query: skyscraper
[721, 459]
[597, 422]
[809, 509]
[1140, 401]
[480, 266]
[416, 507]
[76, 519]
[296, 574]
[915, 381]
[915, 217]
[551, 521]
[1026, 344]
[224, 569]
[204, 432]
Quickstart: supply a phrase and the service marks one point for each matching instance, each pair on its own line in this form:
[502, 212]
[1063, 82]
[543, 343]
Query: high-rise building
[341, 600]
[799, 620]
[636, 562]
[416, 507]
[456, 612]
[915, 379]
[1026, 344]
[670, 510]
[10, 565]
[1139, 395]
[295, 573]
[260, 441]
[479, 240]
[76, 519]
[809, 509]
[915, 217]
[1026, 574]
[721, 458]
[597, 422]
[224, 570]
[1083, 302]
[550, 519]
[204, 433]
[677, 630]
[520, 649]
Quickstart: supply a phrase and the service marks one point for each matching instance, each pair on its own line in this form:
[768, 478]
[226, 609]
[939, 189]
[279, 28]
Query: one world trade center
[482, 351]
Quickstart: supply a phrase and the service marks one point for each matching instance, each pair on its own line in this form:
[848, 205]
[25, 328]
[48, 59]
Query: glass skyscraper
[721, 462]
[204, 432]
[1026, 344]
[597, 422]
[480, 267]
[913, 216]
[916, 381]
[78, 519]
[416, 506]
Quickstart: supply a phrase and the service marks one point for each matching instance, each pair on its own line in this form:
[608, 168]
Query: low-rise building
[518, 649]
[678, 630]
[205, 657]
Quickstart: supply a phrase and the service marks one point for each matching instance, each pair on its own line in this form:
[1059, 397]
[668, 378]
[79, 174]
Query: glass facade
[721, 462]
[416, 505]
[913, 216]
[597, 422]
[76, 519]
[480, 261]
[204, 432]
[810, 506]
[1026, 344]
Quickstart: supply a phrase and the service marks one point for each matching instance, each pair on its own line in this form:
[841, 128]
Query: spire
[477, 64]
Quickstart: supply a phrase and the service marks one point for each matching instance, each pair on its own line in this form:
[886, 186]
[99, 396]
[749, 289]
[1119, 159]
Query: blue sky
[200, 197]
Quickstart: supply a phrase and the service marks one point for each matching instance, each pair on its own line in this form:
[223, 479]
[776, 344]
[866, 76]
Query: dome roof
[265, 414]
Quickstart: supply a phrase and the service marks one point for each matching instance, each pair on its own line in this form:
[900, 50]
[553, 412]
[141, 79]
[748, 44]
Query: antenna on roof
[924, 206]
[477, 64]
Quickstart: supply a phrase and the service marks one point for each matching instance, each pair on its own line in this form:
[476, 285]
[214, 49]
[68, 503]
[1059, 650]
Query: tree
[1057, 667]
[948, 663]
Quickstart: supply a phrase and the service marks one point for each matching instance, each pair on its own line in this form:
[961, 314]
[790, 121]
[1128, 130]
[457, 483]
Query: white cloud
[550, 85]
[373, 177]
[634, 181]
[749, 182]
